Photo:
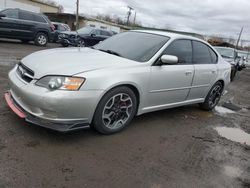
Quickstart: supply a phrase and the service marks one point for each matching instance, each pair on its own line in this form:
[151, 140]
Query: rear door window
[97, 32]
[201, 53]
[105, 33]
[23, 15]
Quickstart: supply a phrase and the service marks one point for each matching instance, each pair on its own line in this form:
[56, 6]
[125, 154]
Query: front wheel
[80, 43]
[64, 44]
[213, 97]
[115, 110]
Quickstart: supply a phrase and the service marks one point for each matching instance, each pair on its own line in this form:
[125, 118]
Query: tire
[213, 97]
[64, 44]
[41, 39]
[233, 74]
[80, 43]
[115, 110]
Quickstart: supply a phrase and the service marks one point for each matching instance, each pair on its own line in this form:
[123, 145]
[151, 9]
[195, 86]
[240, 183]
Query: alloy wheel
[117, 111]
[42, 40]
[215, 96]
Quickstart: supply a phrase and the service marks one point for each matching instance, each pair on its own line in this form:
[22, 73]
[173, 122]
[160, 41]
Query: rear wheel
[41, 39]
[213, 97]
[115, 110]
[233, 74]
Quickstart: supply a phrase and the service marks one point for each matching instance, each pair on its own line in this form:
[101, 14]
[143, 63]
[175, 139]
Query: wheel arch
[132, 86]
[222, 82]
[43, 31]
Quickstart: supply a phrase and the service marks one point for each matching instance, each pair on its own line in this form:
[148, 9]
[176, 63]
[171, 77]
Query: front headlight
[61, 82]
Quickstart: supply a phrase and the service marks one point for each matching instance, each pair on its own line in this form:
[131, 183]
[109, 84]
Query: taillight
[52, 27]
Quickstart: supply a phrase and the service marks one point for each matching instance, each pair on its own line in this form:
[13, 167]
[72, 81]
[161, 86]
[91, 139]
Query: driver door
[170, 84]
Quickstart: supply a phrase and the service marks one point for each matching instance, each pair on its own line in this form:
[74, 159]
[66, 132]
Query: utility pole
[77, 14]
[237, 44]
[129, 14]
[135, 18]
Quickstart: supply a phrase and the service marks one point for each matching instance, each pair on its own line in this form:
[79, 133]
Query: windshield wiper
[111, 52]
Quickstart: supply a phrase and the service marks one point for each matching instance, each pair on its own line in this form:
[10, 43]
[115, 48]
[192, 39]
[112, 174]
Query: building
[30, 5]
[70, 19]
[66, 18]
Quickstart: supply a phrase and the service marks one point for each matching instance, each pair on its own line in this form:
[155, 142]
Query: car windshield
[137, 46]
[226, 52]
[85, 30]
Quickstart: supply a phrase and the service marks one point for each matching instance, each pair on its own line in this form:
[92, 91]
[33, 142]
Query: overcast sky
[219, 17]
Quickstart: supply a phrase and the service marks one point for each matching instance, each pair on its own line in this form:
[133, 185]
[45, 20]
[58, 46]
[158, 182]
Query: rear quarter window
[214, 56]
[39, 18]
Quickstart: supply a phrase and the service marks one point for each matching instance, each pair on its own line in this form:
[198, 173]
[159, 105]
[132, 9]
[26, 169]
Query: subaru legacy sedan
[105, 86]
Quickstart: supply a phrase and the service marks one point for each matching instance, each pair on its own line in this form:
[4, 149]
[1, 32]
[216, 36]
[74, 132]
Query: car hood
[72, 33]
[68, 32]
[72, 61]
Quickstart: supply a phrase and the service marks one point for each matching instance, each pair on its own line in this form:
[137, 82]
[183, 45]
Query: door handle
[188, 73]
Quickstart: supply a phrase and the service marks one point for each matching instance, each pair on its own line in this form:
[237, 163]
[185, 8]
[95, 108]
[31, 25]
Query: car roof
[169, 34]
[19, 9]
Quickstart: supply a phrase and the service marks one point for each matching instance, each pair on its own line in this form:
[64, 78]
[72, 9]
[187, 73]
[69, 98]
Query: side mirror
[93, 35]
[169, 59]
[2, 15]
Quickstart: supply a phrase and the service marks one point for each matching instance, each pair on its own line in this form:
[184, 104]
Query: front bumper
[54, 125]
[58, 110]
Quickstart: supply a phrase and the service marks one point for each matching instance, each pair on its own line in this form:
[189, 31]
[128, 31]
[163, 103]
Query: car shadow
[148, 119]
[13, 41]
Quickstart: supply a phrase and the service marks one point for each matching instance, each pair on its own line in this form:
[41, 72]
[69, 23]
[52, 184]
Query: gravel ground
[171, 148]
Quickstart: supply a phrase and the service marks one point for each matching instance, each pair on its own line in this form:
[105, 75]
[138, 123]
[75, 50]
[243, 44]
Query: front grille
[25, 73]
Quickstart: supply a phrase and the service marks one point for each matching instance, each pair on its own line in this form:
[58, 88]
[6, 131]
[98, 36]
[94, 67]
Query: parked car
[59, 27]
[244, 58]
[231, 56]
[106, 85]
[86, 36]
[25, 26]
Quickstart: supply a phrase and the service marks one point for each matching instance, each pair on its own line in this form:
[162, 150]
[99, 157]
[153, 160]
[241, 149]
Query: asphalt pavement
[180, 147]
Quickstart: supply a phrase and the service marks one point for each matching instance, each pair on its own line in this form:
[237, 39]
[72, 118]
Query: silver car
[105, 86]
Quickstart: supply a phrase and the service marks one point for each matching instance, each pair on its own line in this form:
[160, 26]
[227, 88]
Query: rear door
[204, 59]
[95, 37]
[8, 24]
[171, 83]
[27, 24]
[105, 35]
